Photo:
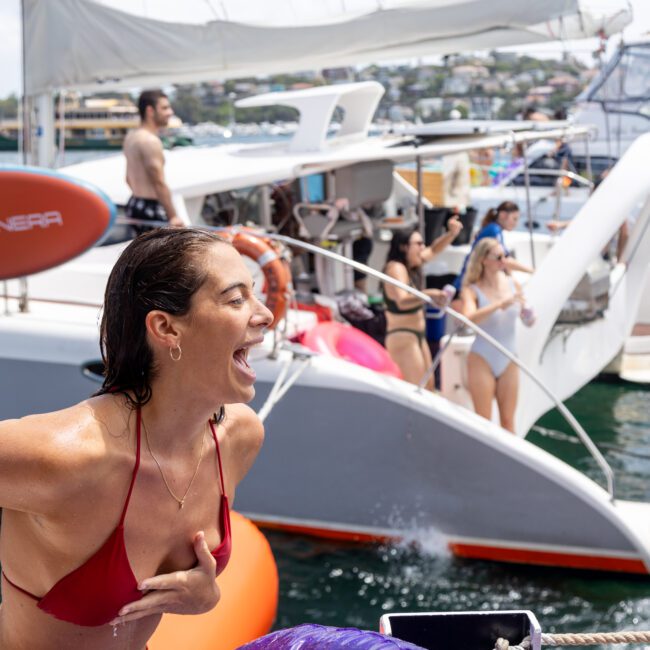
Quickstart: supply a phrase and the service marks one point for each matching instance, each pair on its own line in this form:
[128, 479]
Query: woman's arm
[471, 310]
[454, 226]
[39, 455]
[402, 298]
[513, 265]
[244, 438]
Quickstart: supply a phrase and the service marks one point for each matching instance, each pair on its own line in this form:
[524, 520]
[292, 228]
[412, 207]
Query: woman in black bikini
[406, 340]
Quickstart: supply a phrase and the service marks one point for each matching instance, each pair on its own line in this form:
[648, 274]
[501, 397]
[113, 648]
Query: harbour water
[345, 585]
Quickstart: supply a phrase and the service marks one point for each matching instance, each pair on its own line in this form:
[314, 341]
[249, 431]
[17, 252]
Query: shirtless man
[151, 198]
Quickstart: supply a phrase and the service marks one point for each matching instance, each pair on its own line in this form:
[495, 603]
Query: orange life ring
[276, 272]
[248, 605]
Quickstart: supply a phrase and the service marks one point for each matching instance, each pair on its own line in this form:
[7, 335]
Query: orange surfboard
[47, 218]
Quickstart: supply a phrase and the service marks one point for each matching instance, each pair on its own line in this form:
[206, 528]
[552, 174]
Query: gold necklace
[181, 502]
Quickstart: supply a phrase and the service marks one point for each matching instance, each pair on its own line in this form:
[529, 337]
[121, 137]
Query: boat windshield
[625, 83]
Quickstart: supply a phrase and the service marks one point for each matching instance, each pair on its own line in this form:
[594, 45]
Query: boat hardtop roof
[446, 128]
[316, 106]
[198, 171]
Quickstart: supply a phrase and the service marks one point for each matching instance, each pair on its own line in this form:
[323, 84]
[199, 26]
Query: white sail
[108, 43]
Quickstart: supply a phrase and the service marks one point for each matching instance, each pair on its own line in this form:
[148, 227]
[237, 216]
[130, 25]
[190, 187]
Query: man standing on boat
[151, 199]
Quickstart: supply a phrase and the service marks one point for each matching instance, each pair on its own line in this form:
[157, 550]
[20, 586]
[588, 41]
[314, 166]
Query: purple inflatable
[318, 637]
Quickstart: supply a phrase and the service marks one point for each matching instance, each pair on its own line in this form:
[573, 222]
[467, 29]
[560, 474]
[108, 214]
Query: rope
[578, 639]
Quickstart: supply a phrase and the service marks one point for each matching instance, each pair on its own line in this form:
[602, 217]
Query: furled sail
[109, 43]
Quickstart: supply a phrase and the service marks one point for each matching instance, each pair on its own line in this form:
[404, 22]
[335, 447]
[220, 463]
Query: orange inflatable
[276, 273]
[351, 344]
[249, 599]
[47, 219]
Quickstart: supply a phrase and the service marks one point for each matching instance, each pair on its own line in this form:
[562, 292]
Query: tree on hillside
[9, 107]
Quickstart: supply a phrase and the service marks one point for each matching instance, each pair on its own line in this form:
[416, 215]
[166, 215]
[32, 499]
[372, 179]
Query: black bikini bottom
[420, 334]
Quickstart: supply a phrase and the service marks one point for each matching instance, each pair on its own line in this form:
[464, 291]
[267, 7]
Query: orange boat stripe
[481, 551]
[549, 558]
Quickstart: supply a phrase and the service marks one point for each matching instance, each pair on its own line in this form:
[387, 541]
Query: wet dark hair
[161, 269]
[493, 213]
[149, 98]
[397, 253]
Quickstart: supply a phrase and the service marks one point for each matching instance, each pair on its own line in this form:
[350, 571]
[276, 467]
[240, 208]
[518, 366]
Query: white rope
[594, 638]
[280, 387]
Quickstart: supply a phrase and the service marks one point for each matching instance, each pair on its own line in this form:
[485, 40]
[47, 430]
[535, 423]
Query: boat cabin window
[598, 165]
[628, 79]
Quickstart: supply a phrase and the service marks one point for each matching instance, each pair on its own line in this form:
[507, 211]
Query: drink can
[527, 316]
[450, 291]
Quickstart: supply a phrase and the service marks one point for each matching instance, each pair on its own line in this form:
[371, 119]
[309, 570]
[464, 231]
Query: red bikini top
[94, 593]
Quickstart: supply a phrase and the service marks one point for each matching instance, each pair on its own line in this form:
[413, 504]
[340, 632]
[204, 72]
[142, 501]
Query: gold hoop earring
[180, 353]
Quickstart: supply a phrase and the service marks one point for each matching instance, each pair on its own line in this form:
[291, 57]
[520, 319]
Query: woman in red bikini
[115, 510]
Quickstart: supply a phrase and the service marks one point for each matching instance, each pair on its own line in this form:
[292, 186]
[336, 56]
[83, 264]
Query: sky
[10, 42]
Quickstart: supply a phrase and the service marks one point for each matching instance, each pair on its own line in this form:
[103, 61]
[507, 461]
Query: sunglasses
[498, 257]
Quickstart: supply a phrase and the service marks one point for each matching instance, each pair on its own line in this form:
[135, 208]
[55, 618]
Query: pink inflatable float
[351, 344]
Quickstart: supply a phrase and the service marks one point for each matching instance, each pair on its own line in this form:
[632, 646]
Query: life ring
[276, 272]
[248, 605]
[349, 343]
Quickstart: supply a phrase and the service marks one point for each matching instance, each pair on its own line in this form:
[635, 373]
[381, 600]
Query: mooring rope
[578, 639]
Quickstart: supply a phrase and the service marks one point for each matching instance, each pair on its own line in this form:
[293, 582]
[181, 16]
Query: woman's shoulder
[50, 451]
[68, 429]
[77, 436]
[469, 292]
[396, 270]
[244, 435]
[242, 424]
[492, 229]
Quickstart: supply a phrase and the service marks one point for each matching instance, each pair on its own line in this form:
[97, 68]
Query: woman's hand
[454, 226]
[181, 592]
[439, 297]
[504, 303]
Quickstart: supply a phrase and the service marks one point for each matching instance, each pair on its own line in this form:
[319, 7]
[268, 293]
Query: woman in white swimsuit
[493, 300]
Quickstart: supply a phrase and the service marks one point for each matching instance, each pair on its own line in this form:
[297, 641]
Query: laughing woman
[116, 510]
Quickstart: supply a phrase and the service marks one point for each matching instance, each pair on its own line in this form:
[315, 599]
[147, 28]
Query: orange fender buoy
[249, 599]
[276, 273]
[351, 344]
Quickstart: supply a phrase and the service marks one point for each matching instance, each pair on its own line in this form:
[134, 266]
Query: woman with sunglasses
[492, 299]
[406, 339]
[504, 217]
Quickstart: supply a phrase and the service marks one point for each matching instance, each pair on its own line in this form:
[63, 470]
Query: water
[345, 585]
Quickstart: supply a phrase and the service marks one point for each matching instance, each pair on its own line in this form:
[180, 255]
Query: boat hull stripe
[500, 553]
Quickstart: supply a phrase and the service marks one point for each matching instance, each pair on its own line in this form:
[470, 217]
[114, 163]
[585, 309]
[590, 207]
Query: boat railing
[561, 174]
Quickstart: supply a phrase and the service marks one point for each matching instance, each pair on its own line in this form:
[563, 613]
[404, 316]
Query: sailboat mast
[25, 139]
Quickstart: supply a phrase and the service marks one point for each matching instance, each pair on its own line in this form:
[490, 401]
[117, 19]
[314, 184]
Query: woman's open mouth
[240, 357]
